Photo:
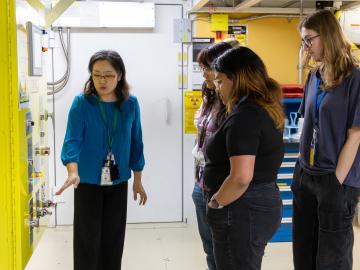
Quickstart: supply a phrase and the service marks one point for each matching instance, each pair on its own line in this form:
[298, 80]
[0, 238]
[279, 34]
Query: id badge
[114, 170]
[106, 176]
[313, 148]
[312, 155]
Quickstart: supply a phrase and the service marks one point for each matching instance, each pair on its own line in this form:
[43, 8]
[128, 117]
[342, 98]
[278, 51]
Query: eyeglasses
[107, 77]
[307, 41]
[205, 69]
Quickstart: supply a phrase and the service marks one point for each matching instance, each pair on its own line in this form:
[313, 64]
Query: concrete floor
[174, 246]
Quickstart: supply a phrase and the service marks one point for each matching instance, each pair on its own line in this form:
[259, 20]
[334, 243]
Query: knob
[45, 151]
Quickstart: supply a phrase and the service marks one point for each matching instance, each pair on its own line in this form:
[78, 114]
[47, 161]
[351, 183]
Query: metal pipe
[253, 18]
[65, 53]
[53, 126]
[68, 60]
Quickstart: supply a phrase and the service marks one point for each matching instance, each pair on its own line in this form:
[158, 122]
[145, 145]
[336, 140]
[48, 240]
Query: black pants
[324, 209]
[99, 226]
[242, 229]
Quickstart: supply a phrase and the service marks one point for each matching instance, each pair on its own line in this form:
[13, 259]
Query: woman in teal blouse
[102, 145]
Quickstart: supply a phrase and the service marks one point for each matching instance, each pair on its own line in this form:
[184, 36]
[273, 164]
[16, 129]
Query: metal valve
[42, 212]
[43, 151]
[34, 223]
[30, 123]
[45, 116]
[48, 203]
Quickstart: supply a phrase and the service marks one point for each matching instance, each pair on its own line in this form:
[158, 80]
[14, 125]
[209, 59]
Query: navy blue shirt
[86, 140]
[338, 112]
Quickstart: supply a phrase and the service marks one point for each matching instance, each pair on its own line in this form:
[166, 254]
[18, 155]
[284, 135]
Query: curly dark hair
[115, 60]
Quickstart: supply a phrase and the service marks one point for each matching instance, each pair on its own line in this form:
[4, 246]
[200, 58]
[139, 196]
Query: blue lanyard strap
[114, 126]
[318, 98]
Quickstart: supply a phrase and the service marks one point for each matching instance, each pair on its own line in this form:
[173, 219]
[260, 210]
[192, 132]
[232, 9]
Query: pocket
[217, 217]
[337, 208]
[336, 180]
[351, 201]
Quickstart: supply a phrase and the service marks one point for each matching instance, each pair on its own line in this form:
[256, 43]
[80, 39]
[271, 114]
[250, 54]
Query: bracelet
[215, 204]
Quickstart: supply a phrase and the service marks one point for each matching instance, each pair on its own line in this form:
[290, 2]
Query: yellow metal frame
[15, 247]
[36, 4]
[56, 11]
[10, 250]
[52, 14]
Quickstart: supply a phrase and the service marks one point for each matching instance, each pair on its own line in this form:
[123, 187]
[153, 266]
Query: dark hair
[250, 78]
[212, 102]
[210, 98]
[210, 53]
[115, 60]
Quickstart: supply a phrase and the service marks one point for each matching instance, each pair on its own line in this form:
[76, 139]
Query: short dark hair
[115, 60]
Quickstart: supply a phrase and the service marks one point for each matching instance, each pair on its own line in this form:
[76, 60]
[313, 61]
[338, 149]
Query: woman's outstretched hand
[73, 179]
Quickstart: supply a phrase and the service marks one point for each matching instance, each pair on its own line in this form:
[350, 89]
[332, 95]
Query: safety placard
[192, 102]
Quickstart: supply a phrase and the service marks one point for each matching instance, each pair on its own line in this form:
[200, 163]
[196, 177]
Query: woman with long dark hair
[102, 145]
[242, 161]
[208, 119]
[326, 182]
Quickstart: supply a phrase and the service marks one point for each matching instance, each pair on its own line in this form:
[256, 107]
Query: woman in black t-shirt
[242, 161]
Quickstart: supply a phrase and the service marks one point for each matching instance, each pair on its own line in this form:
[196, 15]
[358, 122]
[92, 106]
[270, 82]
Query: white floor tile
[172, 246]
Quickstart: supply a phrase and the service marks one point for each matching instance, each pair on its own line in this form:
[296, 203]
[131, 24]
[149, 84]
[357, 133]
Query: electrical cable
[67, 53]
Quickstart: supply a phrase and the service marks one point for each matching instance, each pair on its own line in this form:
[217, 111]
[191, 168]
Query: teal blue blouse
[86, 139]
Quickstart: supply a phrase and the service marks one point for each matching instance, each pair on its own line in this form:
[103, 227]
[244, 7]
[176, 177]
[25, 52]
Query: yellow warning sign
[242, 39]
[192, 102]
[219, 22]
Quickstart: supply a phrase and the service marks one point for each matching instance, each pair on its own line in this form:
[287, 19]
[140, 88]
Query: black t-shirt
[248, 130]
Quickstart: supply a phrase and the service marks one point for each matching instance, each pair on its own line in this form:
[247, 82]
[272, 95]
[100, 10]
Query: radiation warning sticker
[192, 102]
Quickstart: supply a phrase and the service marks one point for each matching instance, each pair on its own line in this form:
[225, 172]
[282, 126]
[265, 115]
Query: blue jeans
[204, 229]
[242, 229]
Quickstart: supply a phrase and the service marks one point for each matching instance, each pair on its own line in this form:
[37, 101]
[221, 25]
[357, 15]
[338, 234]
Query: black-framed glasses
[307, 41]
[107, 77]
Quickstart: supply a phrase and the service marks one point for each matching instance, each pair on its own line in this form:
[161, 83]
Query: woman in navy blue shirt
[102, 145]
[327, 176]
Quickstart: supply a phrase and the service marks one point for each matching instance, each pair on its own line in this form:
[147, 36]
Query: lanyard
[205, 122]
[103, 116]
[318, 98]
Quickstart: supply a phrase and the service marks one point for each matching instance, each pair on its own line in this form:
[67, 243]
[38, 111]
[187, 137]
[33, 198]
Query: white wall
[151, 61]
